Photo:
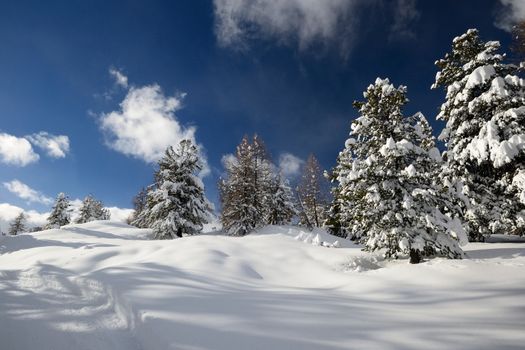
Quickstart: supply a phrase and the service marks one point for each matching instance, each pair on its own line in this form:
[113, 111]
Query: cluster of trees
[253, 193]
[395, 191]
[91, 209]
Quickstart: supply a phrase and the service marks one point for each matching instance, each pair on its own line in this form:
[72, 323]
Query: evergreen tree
[312, 194]
[18, 225]
[281, 206]
[386, 195]
[91, 210]
[60, 214]
[139, 205]
[483, 112]
[176, 205]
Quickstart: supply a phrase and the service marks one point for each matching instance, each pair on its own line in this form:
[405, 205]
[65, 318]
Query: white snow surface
[105, 285]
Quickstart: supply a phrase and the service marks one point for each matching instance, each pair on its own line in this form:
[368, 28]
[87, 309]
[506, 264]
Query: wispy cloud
[305, 22]
[120, 78]
[512, 12]
[25, 192]
[16, 150]
[290, 165]
[54, 146]
[405, 14]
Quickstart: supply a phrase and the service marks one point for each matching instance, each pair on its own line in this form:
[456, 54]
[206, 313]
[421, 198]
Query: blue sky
[210, 70]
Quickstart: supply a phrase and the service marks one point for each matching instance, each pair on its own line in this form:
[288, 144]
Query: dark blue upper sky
[55, 57]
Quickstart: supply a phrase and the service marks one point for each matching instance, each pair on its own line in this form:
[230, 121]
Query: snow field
[104, 285]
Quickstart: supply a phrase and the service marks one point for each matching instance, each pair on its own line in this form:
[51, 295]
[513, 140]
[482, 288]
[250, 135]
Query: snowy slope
[104, 285]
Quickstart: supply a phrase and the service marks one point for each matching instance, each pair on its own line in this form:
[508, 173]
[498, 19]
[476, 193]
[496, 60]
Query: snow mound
[108, 229]
[317, 236]
[363, 263]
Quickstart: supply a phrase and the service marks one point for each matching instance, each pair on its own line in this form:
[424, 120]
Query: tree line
[91, 209]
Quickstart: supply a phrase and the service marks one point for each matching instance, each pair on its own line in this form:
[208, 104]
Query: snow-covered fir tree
[92, 209]
[386, 195]
[60, 214]
[139, 204]
[312, 194]
[176, 204]
[484, 133]
[18, 225]
[281, 209]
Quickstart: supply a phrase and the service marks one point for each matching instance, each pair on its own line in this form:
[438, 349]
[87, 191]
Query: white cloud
[27, 193]
[513, 12]
[16, 150]
[119, 214]
[120, 79]
[146, 125]
[228, 159]
[405, 14]
[290, 165]
[9, 212]
[55, 146]
[303, 21]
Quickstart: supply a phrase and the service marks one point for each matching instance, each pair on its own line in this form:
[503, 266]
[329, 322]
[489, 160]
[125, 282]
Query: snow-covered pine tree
[177, 206]
[60, 214]
[18, 225]
[385, 172]
[139, 204]
[281, 206]
[484, 135]
[339, 219]
[311, 193]
[91, 210]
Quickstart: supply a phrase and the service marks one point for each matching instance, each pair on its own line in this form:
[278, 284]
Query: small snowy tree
[385, 194]
[139, 204]
[18, 225]
[281, 208]
[91, 210]
[176, 206]
[60, 214]
[484, 135]
[312, 194]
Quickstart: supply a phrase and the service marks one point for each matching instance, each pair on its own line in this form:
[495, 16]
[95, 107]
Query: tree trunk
[415, 256]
